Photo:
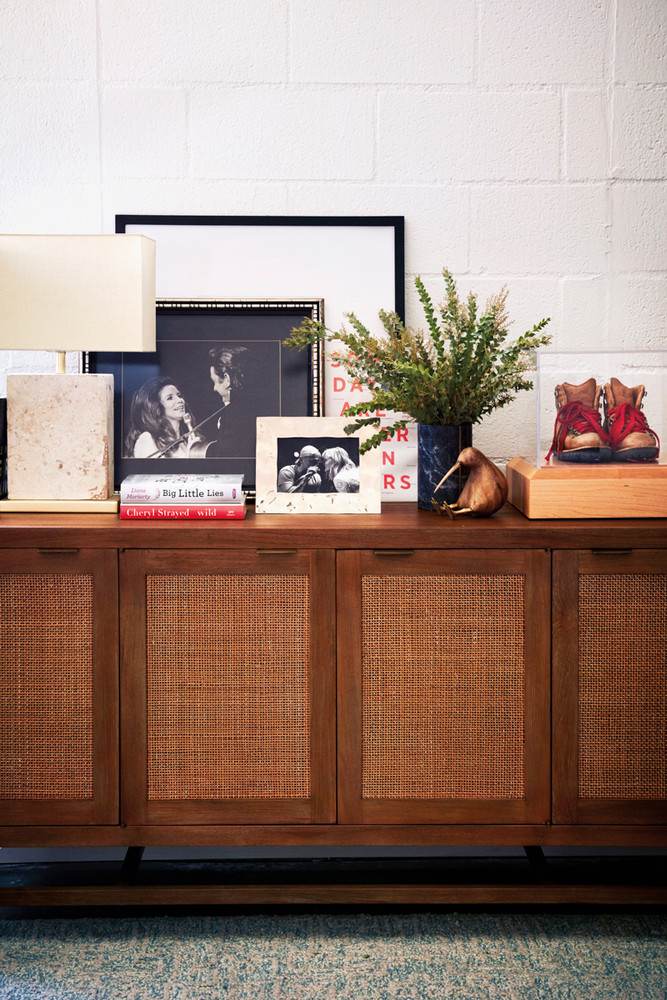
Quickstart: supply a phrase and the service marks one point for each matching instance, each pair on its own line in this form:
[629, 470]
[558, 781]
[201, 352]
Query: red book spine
[172, 511]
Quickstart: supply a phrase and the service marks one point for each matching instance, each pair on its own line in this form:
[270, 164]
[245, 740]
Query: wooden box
[613, 490]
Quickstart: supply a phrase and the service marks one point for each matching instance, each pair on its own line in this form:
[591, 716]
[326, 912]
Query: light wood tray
[109, 506]
[611, 490]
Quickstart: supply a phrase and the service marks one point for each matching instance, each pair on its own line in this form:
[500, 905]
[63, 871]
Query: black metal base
[359, 882]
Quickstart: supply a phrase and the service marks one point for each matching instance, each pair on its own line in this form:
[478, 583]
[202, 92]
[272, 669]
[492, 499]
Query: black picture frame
[362, 258]
[276, 381]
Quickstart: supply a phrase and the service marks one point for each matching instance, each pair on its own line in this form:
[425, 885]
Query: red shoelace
[627, 419]
[576, 418]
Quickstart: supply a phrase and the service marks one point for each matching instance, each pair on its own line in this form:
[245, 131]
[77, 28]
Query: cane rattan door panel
[229, 668]
[443, 687]
[610, 686]
[59, 687]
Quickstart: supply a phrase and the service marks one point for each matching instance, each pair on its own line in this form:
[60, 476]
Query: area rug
[314, 956]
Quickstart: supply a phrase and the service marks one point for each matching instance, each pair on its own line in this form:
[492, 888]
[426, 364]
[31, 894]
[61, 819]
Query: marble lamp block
[60, 437]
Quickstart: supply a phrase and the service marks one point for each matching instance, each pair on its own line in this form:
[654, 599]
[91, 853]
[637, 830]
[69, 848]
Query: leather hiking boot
[631, 438]
[578, 432]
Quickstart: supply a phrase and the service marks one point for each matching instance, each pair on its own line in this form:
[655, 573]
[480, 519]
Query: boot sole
[635, 455]
[584, 455]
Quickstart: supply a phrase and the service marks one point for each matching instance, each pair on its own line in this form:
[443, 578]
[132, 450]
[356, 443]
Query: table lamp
[69, 293]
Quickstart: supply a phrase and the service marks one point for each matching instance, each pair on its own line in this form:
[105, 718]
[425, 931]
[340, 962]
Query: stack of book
[176, 497]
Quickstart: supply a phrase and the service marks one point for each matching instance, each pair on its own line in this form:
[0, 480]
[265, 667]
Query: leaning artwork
[193, 403]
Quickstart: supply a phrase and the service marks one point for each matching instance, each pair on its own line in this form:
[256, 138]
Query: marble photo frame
[300, 470]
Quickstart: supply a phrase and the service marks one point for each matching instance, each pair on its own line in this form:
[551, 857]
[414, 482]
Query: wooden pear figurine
[485, 491]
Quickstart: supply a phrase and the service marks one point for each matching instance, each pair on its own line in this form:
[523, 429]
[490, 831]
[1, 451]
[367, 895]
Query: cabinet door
[58, 687]
[610, 687]
[443, 665]
[228, 687]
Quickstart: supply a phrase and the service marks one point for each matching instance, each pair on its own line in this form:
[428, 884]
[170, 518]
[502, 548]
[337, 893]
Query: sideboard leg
[130, 867]
[537, 860]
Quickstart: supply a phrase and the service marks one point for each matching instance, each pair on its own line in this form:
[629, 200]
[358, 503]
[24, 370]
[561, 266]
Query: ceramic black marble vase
[438, 447]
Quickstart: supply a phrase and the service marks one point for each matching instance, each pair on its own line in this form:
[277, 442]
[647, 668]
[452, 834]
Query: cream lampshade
[69, 293]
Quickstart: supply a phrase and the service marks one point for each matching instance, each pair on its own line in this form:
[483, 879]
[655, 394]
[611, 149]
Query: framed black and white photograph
[311, 466]
[192, 405]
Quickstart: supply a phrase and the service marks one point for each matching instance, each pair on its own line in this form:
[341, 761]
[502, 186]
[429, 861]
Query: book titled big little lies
[175, 497]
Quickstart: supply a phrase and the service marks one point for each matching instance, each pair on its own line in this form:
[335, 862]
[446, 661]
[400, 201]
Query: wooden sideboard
[391, 680]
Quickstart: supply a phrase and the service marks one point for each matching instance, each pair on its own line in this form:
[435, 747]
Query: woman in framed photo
[341, 475]
[161, 423]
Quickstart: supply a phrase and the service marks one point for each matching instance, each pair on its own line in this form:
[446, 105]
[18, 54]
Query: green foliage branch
[461, 368]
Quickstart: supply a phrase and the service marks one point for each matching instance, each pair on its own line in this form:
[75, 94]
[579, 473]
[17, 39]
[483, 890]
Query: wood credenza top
[399, 526]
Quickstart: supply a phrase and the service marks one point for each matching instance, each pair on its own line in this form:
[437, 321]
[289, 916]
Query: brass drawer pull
[612, 552]
[393, 552]
[57, 552]
[277, 552]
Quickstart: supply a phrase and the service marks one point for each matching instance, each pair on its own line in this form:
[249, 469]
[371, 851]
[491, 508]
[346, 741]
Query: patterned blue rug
[420, 956]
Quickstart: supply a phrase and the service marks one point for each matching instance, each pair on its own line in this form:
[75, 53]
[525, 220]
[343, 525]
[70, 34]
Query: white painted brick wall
[586, 135]
[204, 41]
[639, 214]
[640, 134]
[48, 40]
[466, 136]
[144, 132]
[278, 133]
[540, 42]
[536, 229]
[524, 141]
[638, 312]
[424, 42]
[50, 132]
[641, 56]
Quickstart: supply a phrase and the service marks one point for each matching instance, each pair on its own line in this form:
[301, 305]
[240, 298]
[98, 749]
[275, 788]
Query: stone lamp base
[60, 437]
